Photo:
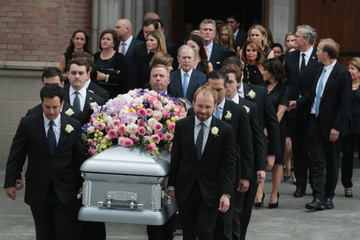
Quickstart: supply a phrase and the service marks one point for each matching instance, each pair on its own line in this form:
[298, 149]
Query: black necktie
[76, 103]
[302, 67]
[199, 141]
[51, 139]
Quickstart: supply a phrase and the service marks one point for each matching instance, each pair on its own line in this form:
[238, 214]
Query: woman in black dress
[274, 80]
[201, 63]
[352, 132]
[110, 70]
[252, 56]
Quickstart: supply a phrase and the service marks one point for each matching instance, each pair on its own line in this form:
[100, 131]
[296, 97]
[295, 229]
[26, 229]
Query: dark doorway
[249, 11]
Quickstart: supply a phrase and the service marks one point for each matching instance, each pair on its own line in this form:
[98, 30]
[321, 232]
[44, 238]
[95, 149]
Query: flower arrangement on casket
[142, 119]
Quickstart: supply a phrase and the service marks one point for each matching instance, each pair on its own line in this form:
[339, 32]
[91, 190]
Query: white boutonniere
[91, 91]
[251, 94]
[228, 115]
[69, 112]
[214, 131]
[246, 108]
[68, 128]
[93, 105]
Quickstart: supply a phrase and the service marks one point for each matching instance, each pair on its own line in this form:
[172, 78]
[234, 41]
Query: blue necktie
[217, 112]
[185, 84]
[318, 93]
[51, 139]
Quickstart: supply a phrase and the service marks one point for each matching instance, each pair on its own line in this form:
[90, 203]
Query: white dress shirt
[127, 44]
[307, 56]
[56, 126]
[241, 91]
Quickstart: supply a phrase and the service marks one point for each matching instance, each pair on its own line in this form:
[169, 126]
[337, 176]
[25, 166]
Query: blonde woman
[258, 33]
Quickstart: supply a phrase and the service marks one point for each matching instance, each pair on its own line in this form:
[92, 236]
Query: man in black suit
[53, 145]
[330, 99]
[216, 53]
[203, 161]
[300, 82]
[171, 47]
[76, 93]
[52, 75]
[233, 20]
[140, 36]
[128, 43]
[238, 118]
[185, 81]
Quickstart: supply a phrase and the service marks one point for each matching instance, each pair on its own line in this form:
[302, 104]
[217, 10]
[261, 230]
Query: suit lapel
[329, 81]
[209, 139]
[62, 132]
[178, 85]
[39, 124]
[192, 84]
[311, 61]
[226, 108]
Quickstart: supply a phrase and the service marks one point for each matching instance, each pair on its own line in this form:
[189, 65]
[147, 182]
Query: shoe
[260, 204]
[316, 204]
[286, 178]
[329, 204]
[348, 192]
[299, 193]
[275, 205]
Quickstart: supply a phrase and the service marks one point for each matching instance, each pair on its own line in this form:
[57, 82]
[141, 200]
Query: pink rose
[112, 133]
[141, 123]
[157, 115]
[141, 131]
[91, 151]
[121, 141]
[155, 138]
[171, 127]
[166, 113]
[92, 120]
[101, 126]
[168, 137]
[107, 137]
[161, 135]
[157, 104]
[116, 123]
[151, 148]
[134, 137]
[152, 99]
[157, 127]
[107, 129]
[122, 129]
[128, 142]
[149, 112]
[141, 112]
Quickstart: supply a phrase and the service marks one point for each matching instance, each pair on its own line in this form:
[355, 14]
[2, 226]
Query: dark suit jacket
[175, 88]
[300, 84]
[129, 60]
[64, 167]
[214, 172]
[99, 91]
[353, 121]
[87, 111]
[218, 55]
[240, 39]
[242, 133]
[335, 100]
[267, 116]
[38, 109]
[258, 136]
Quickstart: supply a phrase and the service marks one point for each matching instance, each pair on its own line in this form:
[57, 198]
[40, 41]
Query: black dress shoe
[316, 204]
[329, 204]
[299, 193]
[260, 204]
[275, 205]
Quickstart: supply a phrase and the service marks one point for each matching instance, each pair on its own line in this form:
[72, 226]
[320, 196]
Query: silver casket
[126, 186]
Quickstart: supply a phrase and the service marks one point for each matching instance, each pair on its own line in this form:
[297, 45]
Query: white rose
[69, 112]
[251, 94]
[246, 108]
[107, 119]
[90, 130]
[68, 128]
[93, 105]
[228, 115]
[151, 122]
[132, 128]
[214, 131]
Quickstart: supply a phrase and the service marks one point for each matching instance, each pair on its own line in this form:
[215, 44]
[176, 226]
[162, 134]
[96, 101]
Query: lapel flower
[90, 91]
[69, 112]
[68, 128]
[214, 131]
[228, 115]
[93, 105]
[246, 108]
[251, 94]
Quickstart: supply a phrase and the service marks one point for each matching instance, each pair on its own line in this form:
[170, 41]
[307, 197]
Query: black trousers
[324, 160]
[224, 222]
[238, 211]
[163, 232]
[196, 217]
[347, 162]
[300, 152]
[54, 220]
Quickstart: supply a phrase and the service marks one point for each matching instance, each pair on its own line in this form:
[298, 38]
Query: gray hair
[160, 66]
[207, 21]
[308, 32]
[186, 47]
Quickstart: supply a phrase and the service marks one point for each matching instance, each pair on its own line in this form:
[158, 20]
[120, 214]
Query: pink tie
[123, 48]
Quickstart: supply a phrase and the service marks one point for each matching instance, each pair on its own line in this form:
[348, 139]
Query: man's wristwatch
[228, 195]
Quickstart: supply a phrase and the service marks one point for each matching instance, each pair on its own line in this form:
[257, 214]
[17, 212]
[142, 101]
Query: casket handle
[127, 205]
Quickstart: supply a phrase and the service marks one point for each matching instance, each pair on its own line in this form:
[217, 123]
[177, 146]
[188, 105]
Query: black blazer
[63, 168]
[243, 136]
[129, 56]
[300, 84]
[99, 91]
[267, 116]
[175, 88]
[38, 109]
[87, 111]
[218, 55]
[353, 120]
[214, 172]
[335, 100]
[257, 133]
[240, 39]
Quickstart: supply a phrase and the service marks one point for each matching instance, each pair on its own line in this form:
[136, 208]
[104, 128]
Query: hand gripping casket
[126, 186]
